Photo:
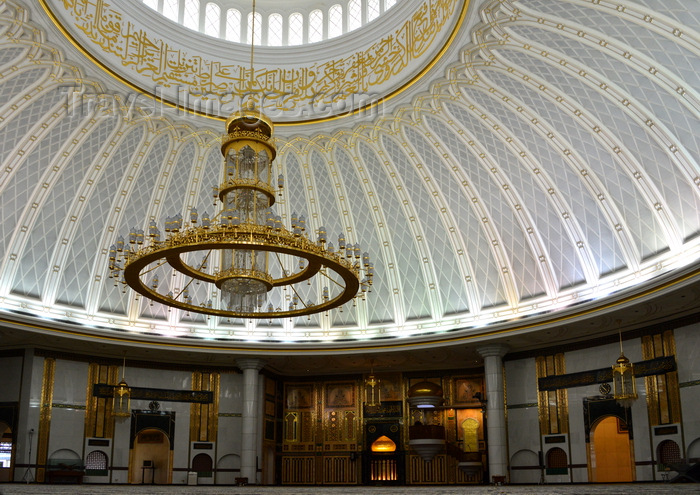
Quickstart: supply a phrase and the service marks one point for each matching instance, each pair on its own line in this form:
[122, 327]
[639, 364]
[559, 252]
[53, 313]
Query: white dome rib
[554, 162]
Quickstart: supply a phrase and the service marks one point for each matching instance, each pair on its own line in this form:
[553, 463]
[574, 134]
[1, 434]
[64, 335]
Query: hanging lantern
[624, 387]
[121, 401]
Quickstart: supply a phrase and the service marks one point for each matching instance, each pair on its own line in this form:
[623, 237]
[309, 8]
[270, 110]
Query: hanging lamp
[624, 386]
[121, 401]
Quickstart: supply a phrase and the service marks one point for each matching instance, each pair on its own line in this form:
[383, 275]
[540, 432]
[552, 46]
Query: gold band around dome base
[244, 237]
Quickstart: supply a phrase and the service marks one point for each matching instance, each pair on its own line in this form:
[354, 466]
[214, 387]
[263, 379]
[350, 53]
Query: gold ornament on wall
[121, 405]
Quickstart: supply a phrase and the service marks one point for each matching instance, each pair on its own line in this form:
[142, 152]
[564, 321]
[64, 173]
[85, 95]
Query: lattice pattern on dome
[544, 165]
[441, 258]
[410, 266]
[36, 249]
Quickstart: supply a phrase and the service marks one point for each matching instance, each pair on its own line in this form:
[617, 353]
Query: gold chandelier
[245, 251]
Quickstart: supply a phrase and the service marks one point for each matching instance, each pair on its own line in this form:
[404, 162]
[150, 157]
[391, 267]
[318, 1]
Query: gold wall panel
[299, 470]
[339, 470]
[663, 391]
[427, 473]
[326, 419]
[91, 401]
[99, 422]
[204, 418]
[553, 406]
[47, 384]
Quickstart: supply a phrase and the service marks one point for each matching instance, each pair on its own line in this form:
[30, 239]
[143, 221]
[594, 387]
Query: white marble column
[250, 418]
[495, 408]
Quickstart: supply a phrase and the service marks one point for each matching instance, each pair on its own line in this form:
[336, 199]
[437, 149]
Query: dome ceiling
[552, 163]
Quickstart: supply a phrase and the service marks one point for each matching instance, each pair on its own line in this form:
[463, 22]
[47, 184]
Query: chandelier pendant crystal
[244, 252]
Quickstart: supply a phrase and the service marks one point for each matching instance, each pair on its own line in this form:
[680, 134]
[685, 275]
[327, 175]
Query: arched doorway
[203, 465]
[5, 452]
[150, 458]
[383, 459]
[611, 451]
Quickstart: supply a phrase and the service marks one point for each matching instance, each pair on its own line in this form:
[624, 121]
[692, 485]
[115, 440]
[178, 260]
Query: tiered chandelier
[244, 252]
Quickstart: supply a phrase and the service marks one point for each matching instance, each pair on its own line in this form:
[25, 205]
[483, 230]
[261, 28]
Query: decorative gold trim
[87, 53]
[672, 385]
[553, 406]
[342, 349]
[109, 419]
[562, 395]
[662, 391]
[215, 387]
[196, 409]
[243, 236]
[47, 384]
[90, 400]
[542, 397]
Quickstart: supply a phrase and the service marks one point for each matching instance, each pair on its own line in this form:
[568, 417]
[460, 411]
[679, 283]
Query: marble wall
[65, 419]
[24, 375]
[688, 353]
[523, 430]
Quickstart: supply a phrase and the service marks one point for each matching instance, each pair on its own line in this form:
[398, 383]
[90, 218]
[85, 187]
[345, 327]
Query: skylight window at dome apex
[233, 25]
[191, 14]
[170, 9]
[254, 30]
[373, 10]
[315, 26]
[220, 19]
[296, 29]
[354, 15]
[274, 30]
[212, 19]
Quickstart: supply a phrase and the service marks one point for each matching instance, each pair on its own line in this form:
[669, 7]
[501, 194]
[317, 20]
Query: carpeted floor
[593, 489]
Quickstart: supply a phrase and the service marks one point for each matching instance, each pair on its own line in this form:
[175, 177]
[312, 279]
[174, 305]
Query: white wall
[688, 357]
[521, 391]
[523, 422]
[22, 382]
[228, 444]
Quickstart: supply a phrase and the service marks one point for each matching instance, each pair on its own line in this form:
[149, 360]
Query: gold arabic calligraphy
[171, 66]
